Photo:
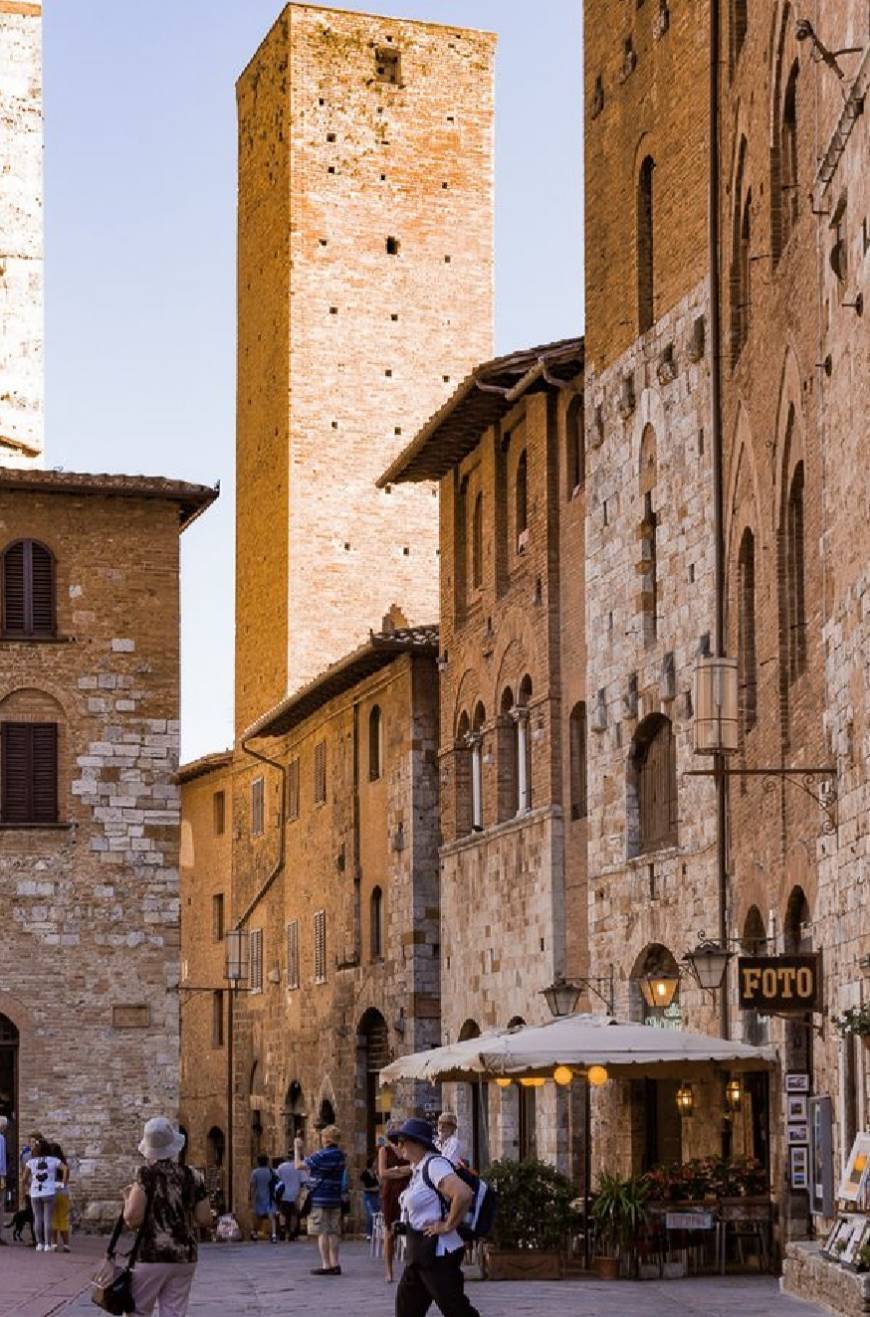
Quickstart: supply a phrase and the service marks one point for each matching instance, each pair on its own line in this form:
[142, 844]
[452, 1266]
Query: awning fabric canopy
[579, 1041]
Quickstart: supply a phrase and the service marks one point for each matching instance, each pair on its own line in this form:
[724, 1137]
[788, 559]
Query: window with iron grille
[28, 590]
[217, 1019]
[219, 812]
[257, 960]
[320, 947]
[320, 773]
[28, 763]
[293, 954]
[257, 807]
[293, 789]
[217, 917]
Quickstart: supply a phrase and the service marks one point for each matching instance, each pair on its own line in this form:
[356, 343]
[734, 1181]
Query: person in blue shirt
[327, 1173]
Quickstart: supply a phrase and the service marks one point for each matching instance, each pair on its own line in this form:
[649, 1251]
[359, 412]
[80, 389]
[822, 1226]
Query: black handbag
[113, 1284]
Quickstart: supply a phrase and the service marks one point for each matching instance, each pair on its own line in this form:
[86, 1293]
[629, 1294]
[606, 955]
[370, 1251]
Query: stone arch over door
[373, 1053]
[9, 1100]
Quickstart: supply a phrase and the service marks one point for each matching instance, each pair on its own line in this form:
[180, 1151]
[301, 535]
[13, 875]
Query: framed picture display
[854, 1179]
[797, 1107]
[839, 1236]
[798, 1134]
[821, 1157]
[855, 1242]
[797, 1082]
[799, 1166]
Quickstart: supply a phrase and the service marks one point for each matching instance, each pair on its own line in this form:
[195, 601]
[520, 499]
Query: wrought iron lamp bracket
[805, 779]
[607, 995]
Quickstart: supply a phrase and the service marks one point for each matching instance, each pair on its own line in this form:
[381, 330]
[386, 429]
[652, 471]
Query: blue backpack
[480, 1217]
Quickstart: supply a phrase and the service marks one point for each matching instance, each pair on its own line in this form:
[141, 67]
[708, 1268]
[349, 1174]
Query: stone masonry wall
[366, 205]
[21, 245]
[91, 926]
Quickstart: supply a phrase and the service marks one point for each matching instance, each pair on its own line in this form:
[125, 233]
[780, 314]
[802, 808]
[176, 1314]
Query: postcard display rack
[848, 1240]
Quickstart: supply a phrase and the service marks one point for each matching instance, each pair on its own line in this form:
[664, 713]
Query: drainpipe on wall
[720, 780]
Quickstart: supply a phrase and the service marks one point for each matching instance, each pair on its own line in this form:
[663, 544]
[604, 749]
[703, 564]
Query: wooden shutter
[41, 591]
[293, 954]
[13, 589]
[320, 947]
[29, 772]
[257, 960]
[293, 790]
[320, 773]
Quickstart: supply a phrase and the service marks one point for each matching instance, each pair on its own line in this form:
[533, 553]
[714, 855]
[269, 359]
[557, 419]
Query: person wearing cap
[448, 1138]
[169, 1201]
[434, 1203]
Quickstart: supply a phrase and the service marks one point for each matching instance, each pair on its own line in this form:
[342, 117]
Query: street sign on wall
[779, 983]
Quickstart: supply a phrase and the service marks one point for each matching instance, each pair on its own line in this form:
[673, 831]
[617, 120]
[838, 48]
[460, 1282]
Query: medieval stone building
[507, 449]
[89, 814]
[21, 320]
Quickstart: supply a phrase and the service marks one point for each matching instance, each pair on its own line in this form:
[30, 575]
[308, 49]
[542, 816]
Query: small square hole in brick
[444, 186]
[321, 101]
[383, 178]
[406, 551]
[333, 310]
[335, 425]
[323, 242]
[331, 169]
[388, 373]
[330, 137]
[392, 246]
[347, 548]
[446, 379]
[447, 260]
[397, 429]
[394, 315]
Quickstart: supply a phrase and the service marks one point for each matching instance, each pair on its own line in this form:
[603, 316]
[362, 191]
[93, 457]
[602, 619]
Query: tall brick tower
[365, 291]
[21, 319]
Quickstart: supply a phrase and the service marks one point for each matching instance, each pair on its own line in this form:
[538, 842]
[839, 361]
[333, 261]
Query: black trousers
[442, 1284]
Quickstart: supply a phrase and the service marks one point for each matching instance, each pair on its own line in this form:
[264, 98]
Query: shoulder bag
[113, 1284]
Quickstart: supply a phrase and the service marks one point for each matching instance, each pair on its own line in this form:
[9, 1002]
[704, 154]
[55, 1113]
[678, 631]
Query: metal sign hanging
[779, 983]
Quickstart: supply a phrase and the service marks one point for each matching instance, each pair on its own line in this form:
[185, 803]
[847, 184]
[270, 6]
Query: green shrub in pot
[534, 1206]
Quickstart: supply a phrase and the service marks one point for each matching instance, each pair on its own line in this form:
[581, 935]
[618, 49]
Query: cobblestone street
[234, 1280]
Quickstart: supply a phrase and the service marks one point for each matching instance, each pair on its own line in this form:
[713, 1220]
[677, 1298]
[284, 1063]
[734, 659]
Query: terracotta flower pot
[522, 1264]
[606, 1268]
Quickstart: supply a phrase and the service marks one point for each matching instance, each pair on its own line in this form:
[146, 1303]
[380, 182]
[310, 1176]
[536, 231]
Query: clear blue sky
[140, 250]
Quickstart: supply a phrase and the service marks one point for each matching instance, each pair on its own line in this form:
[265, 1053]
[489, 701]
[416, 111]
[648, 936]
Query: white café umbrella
[578, 1042]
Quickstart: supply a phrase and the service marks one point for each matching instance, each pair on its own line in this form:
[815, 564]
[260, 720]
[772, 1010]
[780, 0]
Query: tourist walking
[447, 1141]
[434, 1203]
[167, 1201]
[393, 1173]
[42, 1175]
[262, 1194]
[326, 1169]
[292, 1180]
[60, 1216]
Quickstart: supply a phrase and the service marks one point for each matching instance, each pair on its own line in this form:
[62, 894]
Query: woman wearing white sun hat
[171, 1200]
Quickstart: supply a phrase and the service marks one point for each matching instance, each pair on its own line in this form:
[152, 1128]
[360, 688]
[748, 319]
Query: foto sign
[779, 983]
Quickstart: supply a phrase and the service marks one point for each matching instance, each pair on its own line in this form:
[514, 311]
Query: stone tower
[21, 318]
[365, 292]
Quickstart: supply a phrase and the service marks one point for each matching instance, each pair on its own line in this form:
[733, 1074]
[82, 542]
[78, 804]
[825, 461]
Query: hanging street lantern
[716, 708]
[563, 1075]
[237, 949]
[597, 1075]
[708, 963]
[561, 996]
[733, 1094]
[685, 1099]
[659, 989]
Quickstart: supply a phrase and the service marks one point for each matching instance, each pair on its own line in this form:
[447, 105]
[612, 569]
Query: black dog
[23, 1217]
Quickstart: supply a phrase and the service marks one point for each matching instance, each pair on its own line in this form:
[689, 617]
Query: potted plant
[854, 1020]
[619, 1212]
[533, 1223]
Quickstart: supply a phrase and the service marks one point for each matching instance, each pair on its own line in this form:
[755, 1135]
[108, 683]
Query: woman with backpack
[433, 1205]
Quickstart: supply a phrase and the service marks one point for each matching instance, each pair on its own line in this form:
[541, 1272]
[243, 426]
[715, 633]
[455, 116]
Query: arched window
[753, 942]
[652, 786]
[215, 1148]
[462, 760]
[788, 160]
[508, 765]
[575, 447]
[740, 267]
[376, 923]
[744, 276]
[747, 674]
[577, 737]
[375, 744]
[655, 962]
[524, 745]
[373, 1053]
[645, 253]
[31, 728]
[477, 768]
[797, 621]
[522, 499]
[477, 544]
[28, 590]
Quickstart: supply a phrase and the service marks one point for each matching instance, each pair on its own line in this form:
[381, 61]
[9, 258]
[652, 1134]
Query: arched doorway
[215, 1155]
[373, 1052]
[294, 1114]
[798, 940]
[756, 1030]
[9, 1101]
[656, 1117]
[479, 1148]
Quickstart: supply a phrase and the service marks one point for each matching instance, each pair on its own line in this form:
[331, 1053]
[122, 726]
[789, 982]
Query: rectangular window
[257, 807]
[293, 790]
[257, 960]
[293, 954]
[217, 917]
[219, 812]
[28, 763]
[217, 1019]
[320, 947]
[320, 773]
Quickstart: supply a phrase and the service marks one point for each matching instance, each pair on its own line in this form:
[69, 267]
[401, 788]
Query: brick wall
[333, 162]
[91, 923]
[21, 316]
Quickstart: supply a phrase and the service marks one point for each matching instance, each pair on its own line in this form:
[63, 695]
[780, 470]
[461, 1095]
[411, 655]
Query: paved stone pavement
[247, 1280]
